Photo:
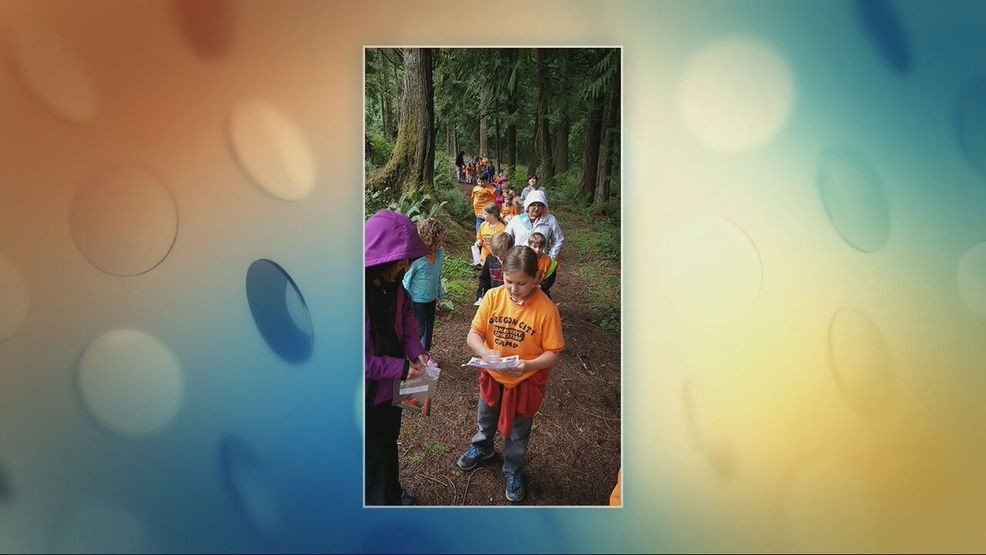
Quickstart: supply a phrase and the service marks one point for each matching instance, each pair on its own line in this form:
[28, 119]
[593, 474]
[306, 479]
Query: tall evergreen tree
[412, 164]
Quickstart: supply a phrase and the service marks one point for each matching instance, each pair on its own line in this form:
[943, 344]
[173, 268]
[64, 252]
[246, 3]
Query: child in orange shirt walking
[491, 225]
[491, 275]
[546, 265]
[515, 319]
[482, 194]
[512, 208]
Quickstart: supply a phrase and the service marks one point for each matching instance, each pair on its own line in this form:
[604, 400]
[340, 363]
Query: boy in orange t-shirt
[514, 319]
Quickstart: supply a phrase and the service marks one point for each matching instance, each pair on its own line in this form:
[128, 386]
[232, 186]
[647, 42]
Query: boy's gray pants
[514, 447]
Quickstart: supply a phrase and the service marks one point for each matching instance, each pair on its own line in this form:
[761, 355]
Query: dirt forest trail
[575, 448]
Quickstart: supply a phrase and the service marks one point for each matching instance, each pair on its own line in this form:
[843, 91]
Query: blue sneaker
[515, 487]
[471, 458]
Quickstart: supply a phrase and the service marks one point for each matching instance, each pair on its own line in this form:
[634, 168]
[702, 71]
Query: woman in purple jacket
[393, 348]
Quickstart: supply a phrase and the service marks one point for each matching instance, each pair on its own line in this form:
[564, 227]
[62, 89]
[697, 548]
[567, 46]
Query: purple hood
[391, 236]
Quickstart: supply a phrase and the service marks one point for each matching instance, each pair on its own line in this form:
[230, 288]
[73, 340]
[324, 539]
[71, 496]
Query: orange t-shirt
[511, 211]
[527, 330]
[485, 234]
[481, 196]
[544, 264]
[616, 498]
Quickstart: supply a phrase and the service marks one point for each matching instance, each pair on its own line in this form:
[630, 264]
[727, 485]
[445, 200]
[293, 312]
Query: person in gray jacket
[535, 217]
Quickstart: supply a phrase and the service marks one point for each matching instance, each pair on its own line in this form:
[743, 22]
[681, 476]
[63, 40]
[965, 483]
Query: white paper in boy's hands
[502, 364]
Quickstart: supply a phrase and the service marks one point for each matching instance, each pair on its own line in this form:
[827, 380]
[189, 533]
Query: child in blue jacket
[423, 279]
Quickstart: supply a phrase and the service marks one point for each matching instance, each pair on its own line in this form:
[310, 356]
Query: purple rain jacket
[391, 236]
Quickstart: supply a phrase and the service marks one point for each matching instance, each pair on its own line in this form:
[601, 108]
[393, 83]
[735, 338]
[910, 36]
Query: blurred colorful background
[180, 262]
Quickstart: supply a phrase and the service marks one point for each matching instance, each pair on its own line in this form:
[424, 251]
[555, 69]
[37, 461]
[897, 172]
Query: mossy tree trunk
[412, 164]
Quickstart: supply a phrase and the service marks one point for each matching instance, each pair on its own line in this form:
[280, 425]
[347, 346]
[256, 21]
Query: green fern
[417, 206]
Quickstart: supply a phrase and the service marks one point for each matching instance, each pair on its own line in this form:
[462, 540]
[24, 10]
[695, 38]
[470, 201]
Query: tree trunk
[482, 137]
[562, 132]
[380, 62]
[387, 106]
[496, 131]
[400, 88]
[560, 153]
[454, 147]
[412, 165]
[484, 123]
[546, 166]
[511, 147]
[614, 170]
[532, 168]
[543, 136]
[561, 145]
[590, 157]
[512, 119]
[611, 126]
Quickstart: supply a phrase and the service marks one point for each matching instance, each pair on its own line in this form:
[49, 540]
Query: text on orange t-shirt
[527, 330]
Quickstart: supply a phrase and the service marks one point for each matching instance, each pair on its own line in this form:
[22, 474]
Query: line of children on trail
[517, 252]
[469, 172]
[507, 217]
